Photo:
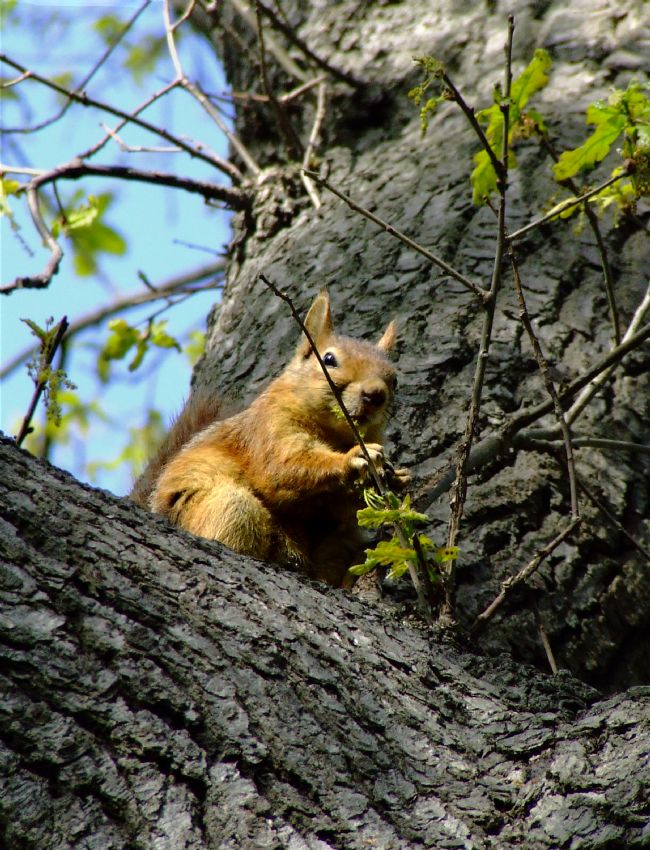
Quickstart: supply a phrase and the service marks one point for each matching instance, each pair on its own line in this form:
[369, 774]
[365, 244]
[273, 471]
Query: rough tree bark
[158, 691]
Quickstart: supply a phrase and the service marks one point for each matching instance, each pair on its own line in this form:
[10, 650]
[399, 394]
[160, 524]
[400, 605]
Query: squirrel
[281, 480]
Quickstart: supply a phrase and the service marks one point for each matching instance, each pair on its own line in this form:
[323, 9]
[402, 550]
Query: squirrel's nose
[373, 396]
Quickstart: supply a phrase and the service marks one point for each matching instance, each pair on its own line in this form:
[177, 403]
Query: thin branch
[279, 53]
[567, 205]
[82, 98]
[526, 417]
[311, 144]
[483, 294]
[235, 198]
[376, 478]
[175, 286]
[292, 143]
[590, 391]
[546, 643]
[548, 383]
[137, 148]
[600, 242]
[145, 105]
[469, 113]
[509, 585]
[290, 34]
[101, 61]
[283, 98]
[542, 440]
[48, 351]
[199, 95]
[42, 280]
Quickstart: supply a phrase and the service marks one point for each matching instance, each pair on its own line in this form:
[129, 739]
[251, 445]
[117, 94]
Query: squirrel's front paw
[358, 464]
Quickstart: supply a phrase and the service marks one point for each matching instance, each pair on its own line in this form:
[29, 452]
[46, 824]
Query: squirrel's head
[361, 372]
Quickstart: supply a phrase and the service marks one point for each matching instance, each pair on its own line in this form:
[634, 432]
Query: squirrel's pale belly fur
[280, 480]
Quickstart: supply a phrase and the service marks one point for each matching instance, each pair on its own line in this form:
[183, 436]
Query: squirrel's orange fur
[277, 481]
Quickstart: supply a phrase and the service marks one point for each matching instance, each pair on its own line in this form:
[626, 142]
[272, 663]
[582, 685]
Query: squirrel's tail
[200, 411]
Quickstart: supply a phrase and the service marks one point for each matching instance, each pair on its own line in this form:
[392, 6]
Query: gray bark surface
[158, 691]
[592, 594]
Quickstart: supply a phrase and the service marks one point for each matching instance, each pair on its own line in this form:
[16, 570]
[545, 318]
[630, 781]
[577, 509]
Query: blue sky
[168, 232]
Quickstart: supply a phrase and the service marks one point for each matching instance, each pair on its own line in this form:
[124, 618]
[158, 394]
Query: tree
[225, 703]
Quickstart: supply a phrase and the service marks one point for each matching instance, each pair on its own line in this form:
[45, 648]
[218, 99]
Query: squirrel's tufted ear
[387, 341]
[319, 324]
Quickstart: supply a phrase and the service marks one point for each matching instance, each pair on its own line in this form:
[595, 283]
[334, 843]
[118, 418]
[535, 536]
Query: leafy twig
[459, 489]
[175, 286]
[49, 344]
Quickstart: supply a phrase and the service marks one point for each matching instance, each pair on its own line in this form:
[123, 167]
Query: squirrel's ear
[387, 341]
[318, 322]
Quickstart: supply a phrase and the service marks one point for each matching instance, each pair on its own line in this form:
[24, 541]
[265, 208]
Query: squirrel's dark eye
[329, 359]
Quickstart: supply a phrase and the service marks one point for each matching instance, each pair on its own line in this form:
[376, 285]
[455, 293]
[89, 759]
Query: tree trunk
[161, 692]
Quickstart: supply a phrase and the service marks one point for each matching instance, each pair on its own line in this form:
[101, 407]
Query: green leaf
[533, 78]
[593, 150]
[159, 337]
[110, 27]
[142, 58]
[195, 347]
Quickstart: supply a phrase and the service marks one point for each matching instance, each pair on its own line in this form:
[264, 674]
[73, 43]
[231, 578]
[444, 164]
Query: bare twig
[290, 34]
[42, 280]
[100, 62]
[294, 146]
[483, 294]
[513, 433]
[279, 53]
[234, 198]
[376, 478]
[319, 117]
[197, 92]
[82, 98]
[509, 585]
[47, 355]
[590, 391]
[546, 643]
[548, 383]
